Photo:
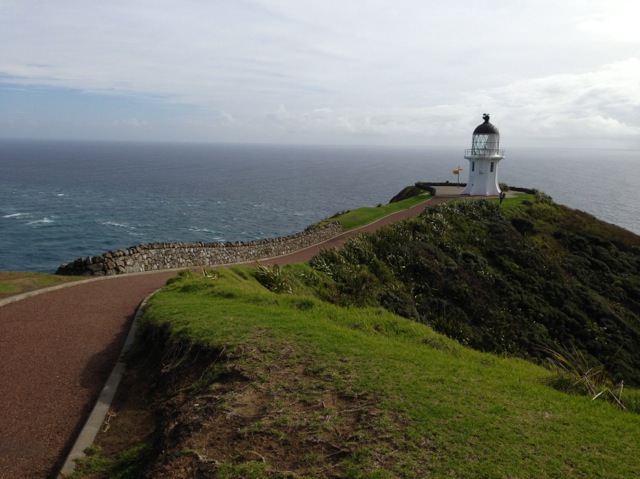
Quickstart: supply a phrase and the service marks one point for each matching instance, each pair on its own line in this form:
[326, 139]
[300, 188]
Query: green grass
[6, 288]
[444, 410]
[126, 464]
[12, 283]
[363, 216]
[509, 278]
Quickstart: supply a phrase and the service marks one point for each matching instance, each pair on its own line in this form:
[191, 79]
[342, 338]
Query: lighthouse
[484, 156]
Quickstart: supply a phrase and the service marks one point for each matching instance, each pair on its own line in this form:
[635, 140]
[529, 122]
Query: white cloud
[399, 70]
[601, 103]
[615, 20]
[587, 106]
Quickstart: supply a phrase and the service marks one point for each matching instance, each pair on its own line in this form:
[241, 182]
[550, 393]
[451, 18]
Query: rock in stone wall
[157, 256]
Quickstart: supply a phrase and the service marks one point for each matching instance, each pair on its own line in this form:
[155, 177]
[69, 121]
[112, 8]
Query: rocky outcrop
[157, 256]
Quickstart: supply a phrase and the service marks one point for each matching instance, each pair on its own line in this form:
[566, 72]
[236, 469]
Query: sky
[559, 73]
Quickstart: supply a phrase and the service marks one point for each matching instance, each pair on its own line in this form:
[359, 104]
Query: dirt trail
[58, 348]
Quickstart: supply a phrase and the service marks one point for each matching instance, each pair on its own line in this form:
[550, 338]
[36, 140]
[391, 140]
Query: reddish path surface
[308, 253]
[58, 348]
[56, 351]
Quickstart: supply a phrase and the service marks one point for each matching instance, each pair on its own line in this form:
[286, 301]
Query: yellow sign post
[457, 173]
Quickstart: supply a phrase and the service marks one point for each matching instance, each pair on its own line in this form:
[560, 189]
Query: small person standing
[502, 196]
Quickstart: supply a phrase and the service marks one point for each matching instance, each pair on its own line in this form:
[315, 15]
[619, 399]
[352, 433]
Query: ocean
[63, 200]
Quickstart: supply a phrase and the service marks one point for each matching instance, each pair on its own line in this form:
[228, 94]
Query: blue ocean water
[63, 200]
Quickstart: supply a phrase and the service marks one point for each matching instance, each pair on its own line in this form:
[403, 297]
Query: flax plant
[574, 368]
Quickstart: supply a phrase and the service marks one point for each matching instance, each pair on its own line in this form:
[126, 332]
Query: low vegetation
[14, 283]
[362, 216]
[518, 279]
[362, 364]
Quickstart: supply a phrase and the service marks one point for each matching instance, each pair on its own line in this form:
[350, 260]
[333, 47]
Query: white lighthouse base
[478, 188]
[483, 176]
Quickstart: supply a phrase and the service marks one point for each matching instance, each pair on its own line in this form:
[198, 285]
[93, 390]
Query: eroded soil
[209, 414]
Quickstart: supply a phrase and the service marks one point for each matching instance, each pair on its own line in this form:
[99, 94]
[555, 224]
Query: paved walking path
[58, 348]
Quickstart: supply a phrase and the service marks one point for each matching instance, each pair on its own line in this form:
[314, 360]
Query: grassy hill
[312, 371]
[246, 382]
[518, 279]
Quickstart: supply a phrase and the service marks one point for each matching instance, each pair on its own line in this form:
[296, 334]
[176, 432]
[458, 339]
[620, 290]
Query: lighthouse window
[492, 167]
[473, 166]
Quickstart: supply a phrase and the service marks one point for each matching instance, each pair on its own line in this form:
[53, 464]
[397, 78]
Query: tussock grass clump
[271, 277]
[575, 374]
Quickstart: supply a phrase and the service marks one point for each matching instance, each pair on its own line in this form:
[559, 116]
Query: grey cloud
[401, 70]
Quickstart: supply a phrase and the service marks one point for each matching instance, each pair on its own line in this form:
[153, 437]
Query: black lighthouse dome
[486, 128]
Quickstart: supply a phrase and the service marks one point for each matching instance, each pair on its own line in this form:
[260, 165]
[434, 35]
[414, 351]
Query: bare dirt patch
[240, 415]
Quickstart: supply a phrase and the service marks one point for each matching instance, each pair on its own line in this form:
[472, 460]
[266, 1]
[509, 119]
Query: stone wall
[157, 256]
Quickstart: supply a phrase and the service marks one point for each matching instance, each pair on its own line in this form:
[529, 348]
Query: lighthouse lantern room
[484, 156]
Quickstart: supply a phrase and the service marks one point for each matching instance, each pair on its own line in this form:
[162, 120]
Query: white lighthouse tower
[484, 156]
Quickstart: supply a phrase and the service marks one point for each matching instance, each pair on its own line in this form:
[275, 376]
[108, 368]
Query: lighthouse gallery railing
[488, 152]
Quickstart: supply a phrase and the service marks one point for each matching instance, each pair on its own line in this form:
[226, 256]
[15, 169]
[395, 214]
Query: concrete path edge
[101, 408]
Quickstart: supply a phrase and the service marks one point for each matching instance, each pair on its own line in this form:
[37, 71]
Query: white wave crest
[117, 225]
[43, 221]
[200, 230]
